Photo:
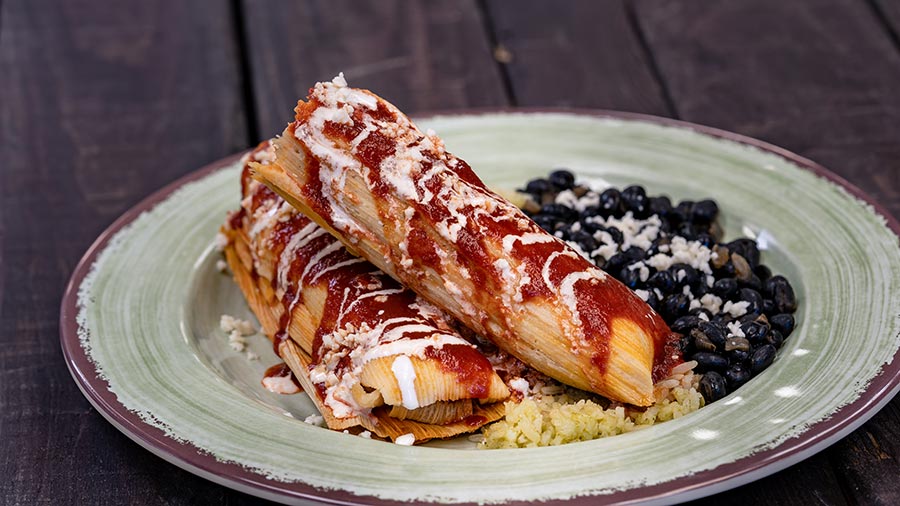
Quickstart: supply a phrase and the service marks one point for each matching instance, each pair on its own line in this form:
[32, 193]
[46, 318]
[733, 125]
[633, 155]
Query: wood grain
[818, 78]
[100, 104]
[586, 54]
[889, 11]
[419, 56]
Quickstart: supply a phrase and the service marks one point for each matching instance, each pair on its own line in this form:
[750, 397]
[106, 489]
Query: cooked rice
[556, 415]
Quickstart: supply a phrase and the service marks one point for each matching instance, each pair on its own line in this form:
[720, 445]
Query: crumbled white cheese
[315, 419]
[365, 434]
[280, 385]
[236, 341]
[734, 329]
[252, 356]
[521, 385]
[221, 265]
[736, 309]
[711, 303]
[405, 440]
[229, 324]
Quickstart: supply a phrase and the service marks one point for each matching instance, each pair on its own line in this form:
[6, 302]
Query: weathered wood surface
[420, 56]
[100, 104]
[585, 54]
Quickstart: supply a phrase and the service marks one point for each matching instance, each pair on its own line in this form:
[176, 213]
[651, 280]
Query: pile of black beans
[726, 360]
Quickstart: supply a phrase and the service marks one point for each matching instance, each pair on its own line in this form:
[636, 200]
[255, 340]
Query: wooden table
[103, 102]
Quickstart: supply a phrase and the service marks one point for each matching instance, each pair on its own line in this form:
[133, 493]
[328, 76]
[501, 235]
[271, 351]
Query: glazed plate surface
[140, 331]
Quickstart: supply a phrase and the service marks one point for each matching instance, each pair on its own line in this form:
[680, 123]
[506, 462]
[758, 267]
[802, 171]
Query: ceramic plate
[140, 331]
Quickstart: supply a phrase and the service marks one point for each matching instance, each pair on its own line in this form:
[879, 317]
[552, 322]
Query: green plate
[140, 324]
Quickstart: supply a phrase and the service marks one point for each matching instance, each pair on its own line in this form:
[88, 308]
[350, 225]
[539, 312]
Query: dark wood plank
[100, 104]
[820, 79]
[796, 485]
[420, 56]
[585, 54]
[889, 12]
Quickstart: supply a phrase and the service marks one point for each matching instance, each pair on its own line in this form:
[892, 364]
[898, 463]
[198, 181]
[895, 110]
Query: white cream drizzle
[403, 370]
[297, 241]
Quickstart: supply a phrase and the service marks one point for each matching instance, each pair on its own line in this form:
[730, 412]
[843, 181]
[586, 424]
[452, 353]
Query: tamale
[368, 351]
[360, 168]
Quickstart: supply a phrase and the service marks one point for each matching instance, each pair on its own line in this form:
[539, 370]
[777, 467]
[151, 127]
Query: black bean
[712, 387]
[589, 212]
[682, 212]
[545, 221]
[762, 358]
[685, 344]
[705, 211]
[754, 298]
[584, 240]
[686, 230]
[660, 206]
[653, 301]
[616, 263]
[736, 376]
[630, 277]
[655, 245]
[762, 272]
[635, 253]
[635, 199]
[675, 305]
[715, 332]
[755, 331]
[690, 276]
[725, 270]
[769, 307]
[737, 356]
[775, 338]
[611, 203]
[751, 282]
[684, 324]
[706, 239]
[697, 311]
[726, 288]
[783, 323]
[662, 280]
[561, 211]
[538, 187]
[748, 317]
[701, 342]
[616, 235]
[562, 179]
[564, 230]
[742, 270]
[746, 248]
[723, 319]
[779, 289]
[737, 343]
[707, 361]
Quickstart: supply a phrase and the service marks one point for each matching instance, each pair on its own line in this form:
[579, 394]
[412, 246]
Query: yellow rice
[571, 415]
